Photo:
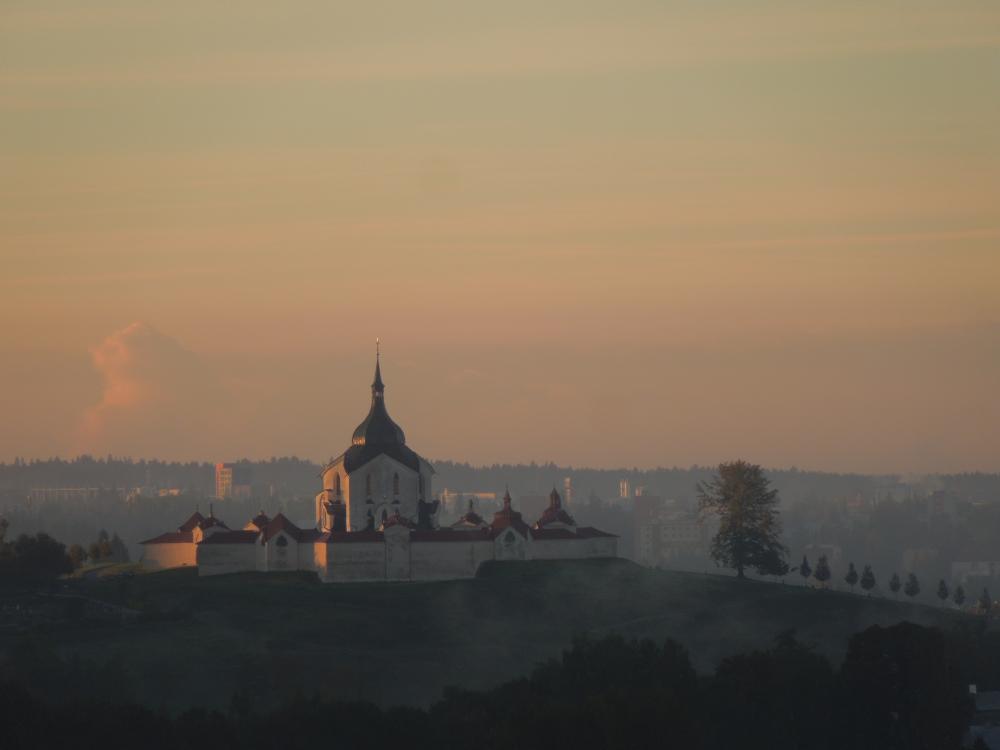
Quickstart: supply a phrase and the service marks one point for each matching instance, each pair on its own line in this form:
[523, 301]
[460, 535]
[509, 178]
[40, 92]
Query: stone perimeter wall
[367, 561]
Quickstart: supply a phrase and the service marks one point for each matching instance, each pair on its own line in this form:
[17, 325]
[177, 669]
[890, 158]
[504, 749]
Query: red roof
[207, 523]
[281, 523]
[231, 537]
[450, 535]
[537, 533]
[508, 517]
[171, 537]
[589, 532]
[555, 513]
[193, 521]
[340, 537]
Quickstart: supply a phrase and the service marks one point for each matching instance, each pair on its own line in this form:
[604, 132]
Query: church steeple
[378, 429]
[378, 387]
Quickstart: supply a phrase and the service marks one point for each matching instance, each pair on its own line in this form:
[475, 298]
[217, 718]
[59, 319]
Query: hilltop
[271, 634]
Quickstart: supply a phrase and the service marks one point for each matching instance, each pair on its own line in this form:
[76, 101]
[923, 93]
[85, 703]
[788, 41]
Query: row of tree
[104, 549]
[911, 588]
[35, 556]
[39, 556]
[609, 693]
[749, 535]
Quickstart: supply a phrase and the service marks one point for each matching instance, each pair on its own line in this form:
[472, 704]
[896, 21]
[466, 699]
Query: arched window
[420, 485]
[336, 484]
[395, 484]
[282, 542]
[368, 485]
[385, 516]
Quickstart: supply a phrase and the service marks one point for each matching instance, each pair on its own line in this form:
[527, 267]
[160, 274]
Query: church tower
[377, 477]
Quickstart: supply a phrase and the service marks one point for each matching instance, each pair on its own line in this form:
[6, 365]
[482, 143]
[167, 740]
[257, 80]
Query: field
[201, 638]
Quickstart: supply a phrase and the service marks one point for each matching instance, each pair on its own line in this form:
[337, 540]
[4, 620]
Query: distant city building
[623, 488]
[975, 573]
[568, 491]
[666, 533]
[832, 552]
[452, 500]
[232, 480]
[375, 521]
[72, 494]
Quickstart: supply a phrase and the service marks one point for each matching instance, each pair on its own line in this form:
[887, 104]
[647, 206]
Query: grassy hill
[403, 643]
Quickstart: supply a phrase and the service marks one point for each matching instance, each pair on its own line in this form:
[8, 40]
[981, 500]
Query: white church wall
[440, 561]
[397, 553]
[163, 556]
[308, 557]
[354, 561]
[281, 553]
[510, 545]
[217, 559]
[382, 469]
[574, 549]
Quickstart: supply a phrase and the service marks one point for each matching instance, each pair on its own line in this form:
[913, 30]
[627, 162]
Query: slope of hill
[271, 635]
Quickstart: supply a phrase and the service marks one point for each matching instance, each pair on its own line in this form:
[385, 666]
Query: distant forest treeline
[292, 476]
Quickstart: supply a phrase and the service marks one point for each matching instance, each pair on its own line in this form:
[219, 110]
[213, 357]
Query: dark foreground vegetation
[186, 640]
[897, 687]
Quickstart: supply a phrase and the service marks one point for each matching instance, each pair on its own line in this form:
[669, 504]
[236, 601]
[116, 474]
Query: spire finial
[377, 385]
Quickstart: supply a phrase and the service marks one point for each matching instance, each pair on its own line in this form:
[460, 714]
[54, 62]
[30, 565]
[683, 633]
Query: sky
[606, 234]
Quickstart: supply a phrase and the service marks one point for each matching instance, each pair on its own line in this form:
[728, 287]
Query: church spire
[378, 387]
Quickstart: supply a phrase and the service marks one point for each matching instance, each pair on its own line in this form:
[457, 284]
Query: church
[376, 521]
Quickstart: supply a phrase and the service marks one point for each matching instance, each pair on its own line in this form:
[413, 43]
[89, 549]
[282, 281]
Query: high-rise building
[232, 480]
[568, 491]
[623, 488]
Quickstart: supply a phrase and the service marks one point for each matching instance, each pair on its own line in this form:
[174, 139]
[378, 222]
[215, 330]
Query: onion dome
[507, 517]
[471, 519]
[555, 514]
[378, 434]
[378, 427]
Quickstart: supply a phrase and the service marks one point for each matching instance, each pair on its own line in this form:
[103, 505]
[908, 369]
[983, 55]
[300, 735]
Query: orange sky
[605, 234]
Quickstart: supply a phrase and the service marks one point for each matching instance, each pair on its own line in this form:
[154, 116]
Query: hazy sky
[601, 233]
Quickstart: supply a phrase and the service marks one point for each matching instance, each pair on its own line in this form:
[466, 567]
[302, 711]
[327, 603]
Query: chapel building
[375, 521]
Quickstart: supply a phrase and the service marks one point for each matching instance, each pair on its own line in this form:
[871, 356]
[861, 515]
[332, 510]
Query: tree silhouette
[943, 591]
[985, 602]
[912, 587]
[894, 584]
[852, 576]
[804, 570]
[959, 596]
[77, 555]
[822, 572]
[868, 579]
[749, 527]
